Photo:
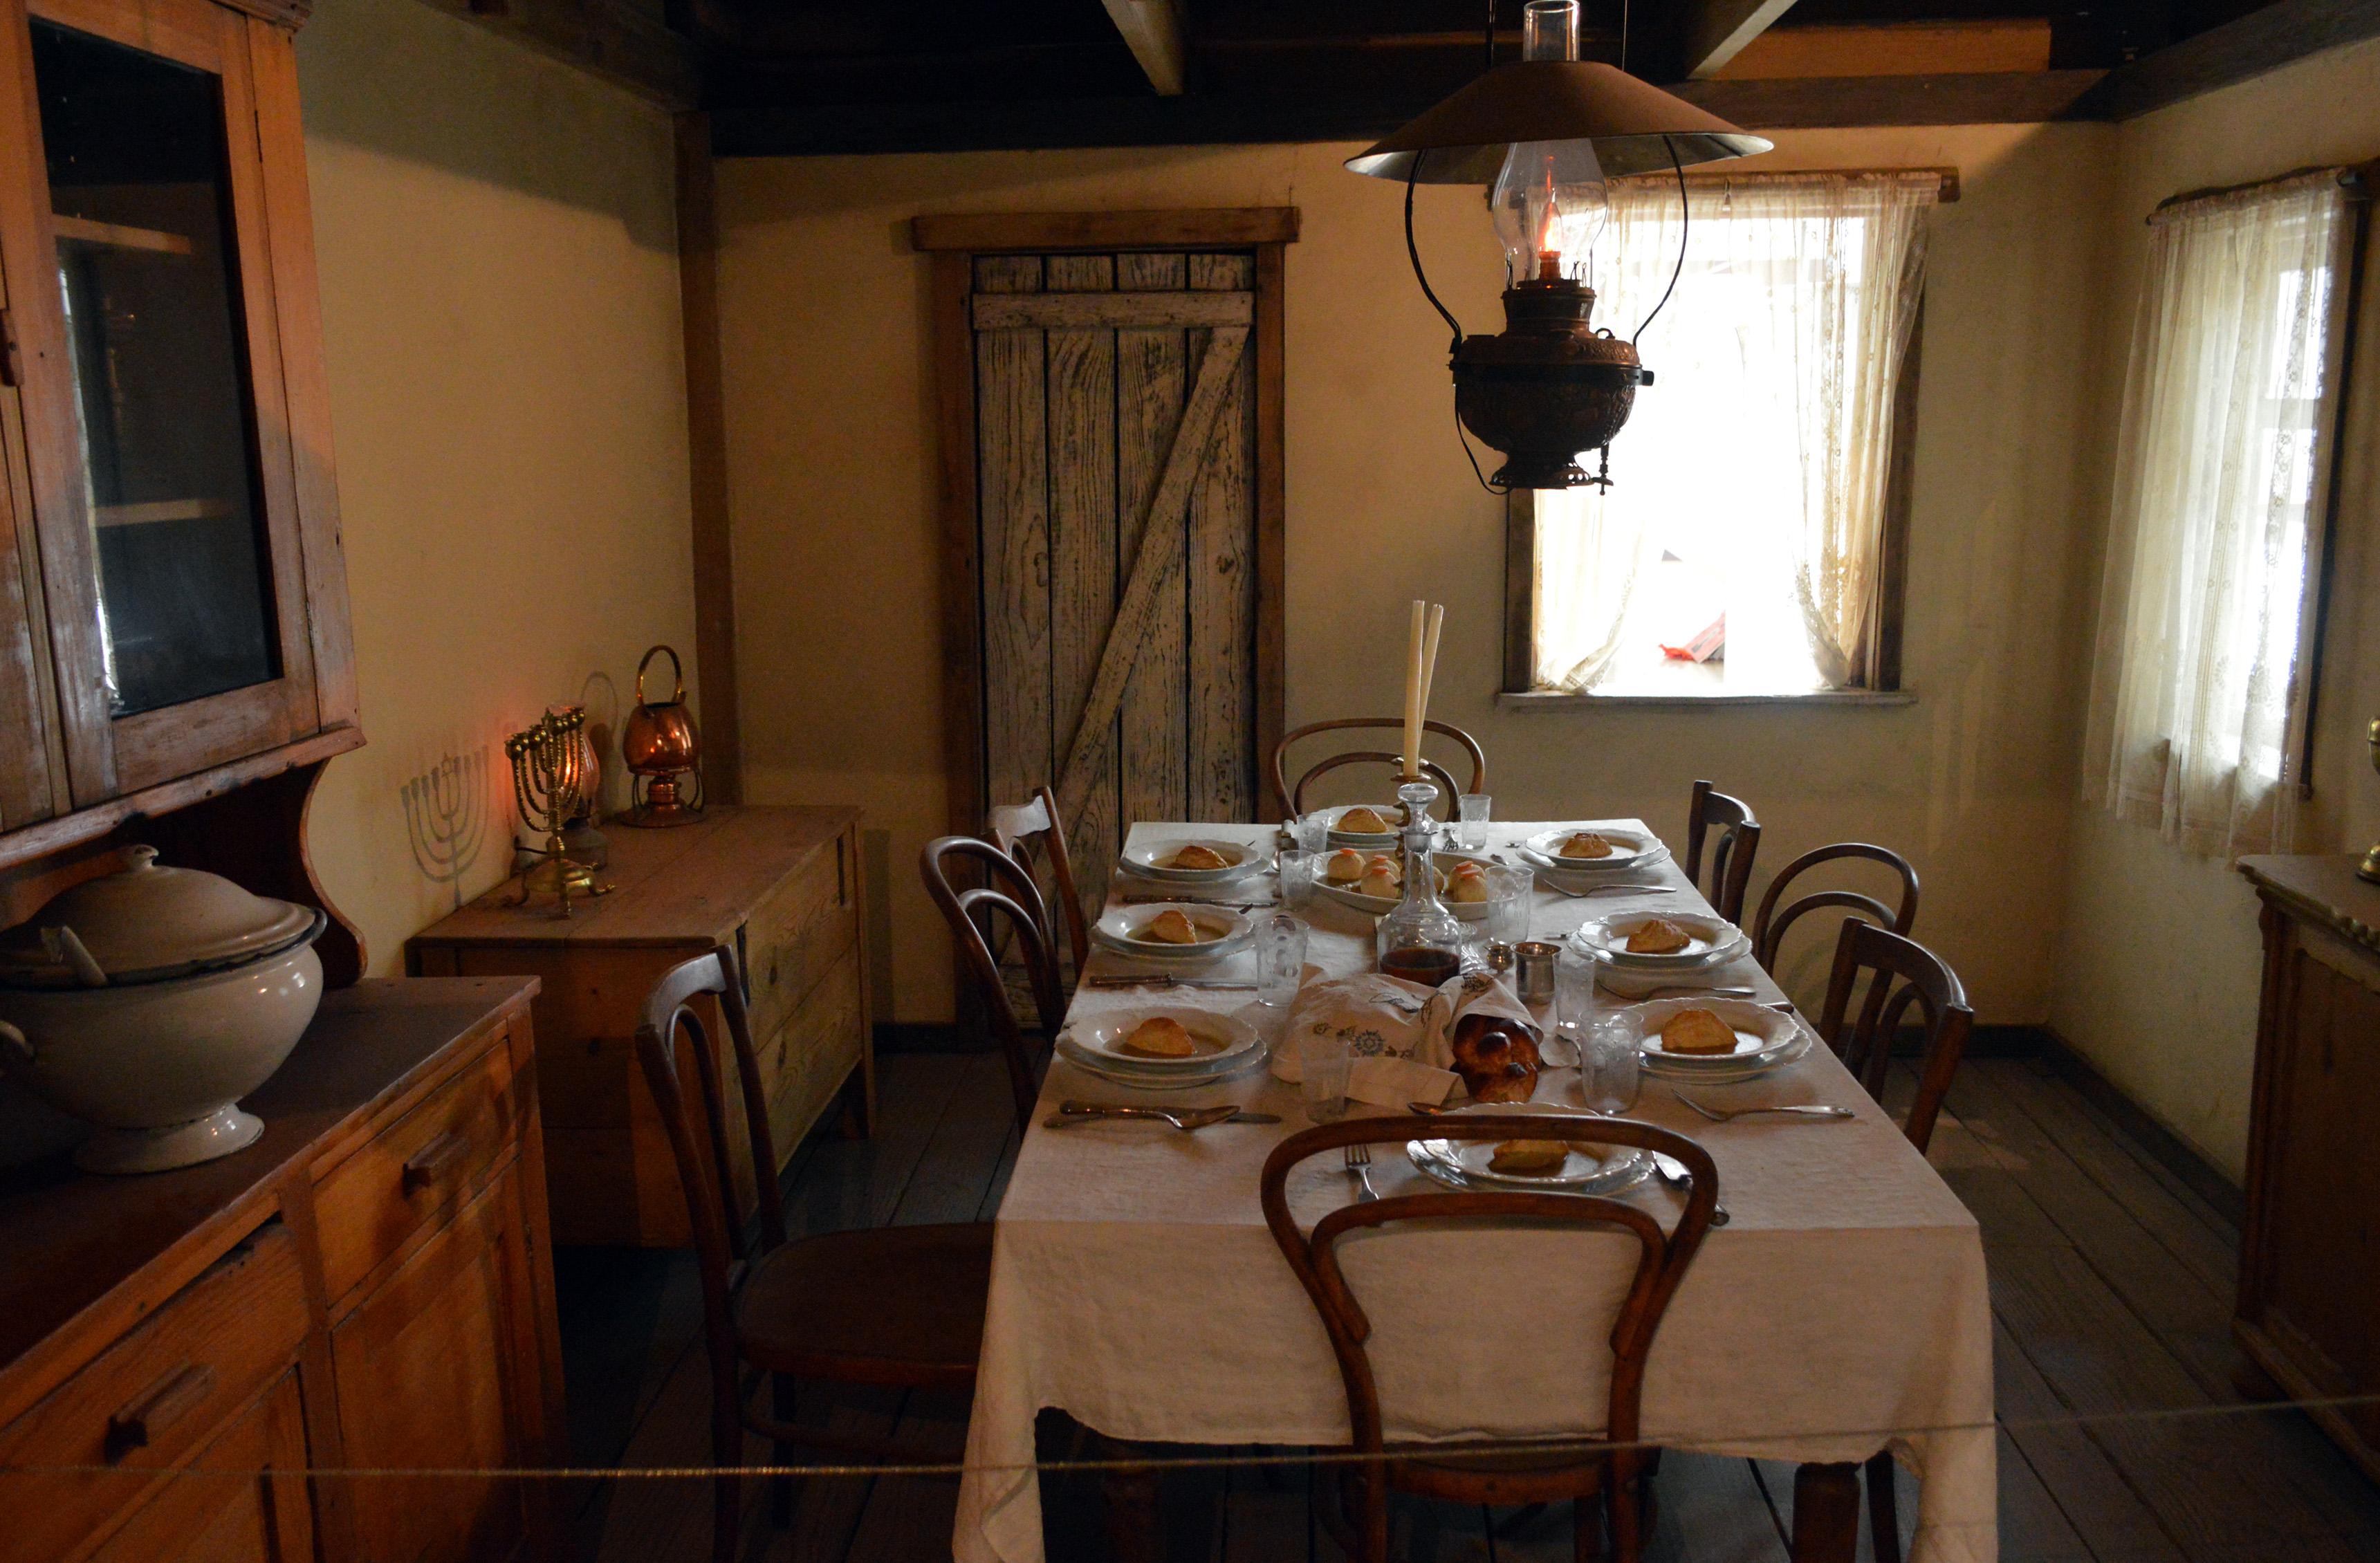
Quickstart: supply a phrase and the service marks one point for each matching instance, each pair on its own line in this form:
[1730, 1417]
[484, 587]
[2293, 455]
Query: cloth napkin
[1386, 1017]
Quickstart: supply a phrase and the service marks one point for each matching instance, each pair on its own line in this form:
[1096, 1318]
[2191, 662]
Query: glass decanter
[1420, 941]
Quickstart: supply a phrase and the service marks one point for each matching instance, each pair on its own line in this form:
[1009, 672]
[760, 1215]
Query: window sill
[1550, 700]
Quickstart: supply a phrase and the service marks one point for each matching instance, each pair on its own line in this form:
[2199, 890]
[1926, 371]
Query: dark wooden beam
[2259, 41]
[611, 39]
[780, 129]
[706, 428]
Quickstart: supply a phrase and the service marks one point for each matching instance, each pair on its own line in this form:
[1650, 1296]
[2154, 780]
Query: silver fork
[1729, 1115]
[1359, 1162]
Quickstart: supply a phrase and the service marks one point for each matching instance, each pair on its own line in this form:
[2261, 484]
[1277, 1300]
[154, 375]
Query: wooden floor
[2111, 1286]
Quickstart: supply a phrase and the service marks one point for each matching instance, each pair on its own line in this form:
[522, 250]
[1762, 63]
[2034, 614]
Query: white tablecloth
[1135, 1286]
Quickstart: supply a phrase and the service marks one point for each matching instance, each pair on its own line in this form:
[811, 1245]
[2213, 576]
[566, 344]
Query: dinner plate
[1462, 1164]
[1140, 1078]
[1375, 840]
[1631, 849]
[1710, 940]
[1374, 906]
[1148, 859]
[1585, 873]
[1765, 1039]
[1234, 931]
[1220, 1039]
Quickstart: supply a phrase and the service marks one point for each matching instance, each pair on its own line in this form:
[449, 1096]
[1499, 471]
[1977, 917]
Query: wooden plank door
[1085, 366]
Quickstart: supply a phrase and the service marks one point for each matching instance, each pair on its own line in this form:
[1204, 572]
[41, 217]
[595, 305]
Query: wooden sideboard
[780, 887]
[368, 1285]
[2308, 1308]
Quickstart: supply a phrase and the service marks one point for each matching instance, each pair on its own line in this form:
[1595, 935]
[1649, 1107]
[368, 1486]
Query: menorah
[550, 786]
[447, 817]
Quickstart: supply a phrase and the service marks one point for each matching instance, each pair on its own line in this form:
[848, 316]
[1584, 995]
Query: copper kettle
[663, 749]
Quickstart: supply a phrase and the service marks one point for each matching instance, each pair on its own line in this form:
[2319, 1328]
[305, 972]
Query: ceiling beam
[2248, 46]
[1920, 48]
[611, 39]
[1711, 33]
[1153, 29]
[1838, 102]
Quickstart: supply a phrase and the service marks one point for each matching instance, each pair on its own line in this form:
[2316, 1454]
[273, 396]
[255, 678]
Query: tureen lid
[147, 922]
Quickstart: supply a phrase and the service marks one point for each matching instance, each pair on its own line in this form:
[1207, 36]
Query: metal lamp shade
[1635, 126]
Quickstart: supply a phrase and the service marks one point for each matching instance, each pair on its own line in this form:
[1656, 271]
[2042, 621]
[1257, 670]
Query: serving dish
[1443, 862]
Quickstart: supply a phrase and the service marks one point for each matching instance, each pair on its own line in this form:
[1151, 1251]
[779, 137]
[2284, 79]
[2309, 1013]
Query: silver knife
[1162, 979]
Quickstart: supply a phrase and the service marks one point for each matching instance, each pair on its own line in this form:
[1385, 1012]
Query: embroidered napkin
[1386, 1017]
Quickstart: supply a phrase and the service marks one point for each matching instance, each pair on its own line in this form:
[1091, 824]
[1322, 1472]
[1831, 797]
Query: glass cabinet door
[174, 564]
[139, 192]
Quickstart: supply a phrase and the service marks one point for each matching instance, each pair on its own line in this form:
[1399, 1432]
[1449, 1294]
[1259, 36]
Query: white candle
[1428, 675]
[1413, 690]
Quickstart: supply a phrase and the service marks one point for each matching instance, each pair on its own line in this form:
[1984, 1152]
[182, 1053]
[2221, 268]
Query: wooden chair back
[1007, 903]
[1866, 1046]
[1769, 924]
[1731, 856]
[1037, 827]
[1292, 798]
[1661, 1261]
[721, 1251]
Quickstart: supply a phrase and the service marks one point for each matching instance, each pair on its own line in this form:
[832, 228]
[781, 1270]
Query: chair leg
[1586, 1530]
[1882, 1509]
[1487, 1529]
[781, 1488]
[726, 1514]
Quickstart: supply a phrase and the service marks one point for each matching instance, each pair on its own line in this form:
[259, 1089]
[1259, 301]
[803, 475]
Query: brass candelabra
[550, 784]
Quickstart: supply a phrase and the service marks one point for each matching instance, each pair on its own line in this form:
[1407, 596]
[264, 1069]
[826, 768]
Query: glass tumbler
[1281, 958]
[1471, 831]
[1311, 832]
[1610, 1069]
[1323, 1065]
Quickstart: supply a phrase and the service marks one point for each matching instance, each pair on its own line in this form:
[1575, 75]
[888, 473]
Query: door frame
[954, 241]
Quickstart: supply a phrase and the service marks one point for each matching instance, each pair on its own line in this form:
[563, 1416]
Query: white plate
[1584, 872]
[1764, 1038]
[1149, 860]
[1220, 1039]
[1629, 847]
[1374, 906]
[1234, 931]
[1462, 1164]
[1338, 837]
[1710, 940]
[1141, 1079]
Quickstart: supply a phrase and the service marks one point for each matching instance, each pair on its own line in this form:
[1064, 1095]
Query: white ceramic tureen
[149, 1000]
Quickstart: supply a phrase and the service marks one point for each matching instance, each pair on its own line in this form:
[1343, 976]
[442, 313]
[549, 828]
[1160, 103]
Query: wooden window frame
[954, 241]
[1881, 657]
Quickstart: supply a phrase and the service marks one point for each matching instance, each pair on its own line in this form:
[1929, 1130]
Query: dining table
[1842, 1310]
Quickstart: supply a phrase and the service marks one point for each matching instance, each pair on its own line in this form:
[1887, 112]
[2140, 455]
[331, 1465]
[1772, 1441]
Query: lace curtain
[1769, 430]
[2197, 697]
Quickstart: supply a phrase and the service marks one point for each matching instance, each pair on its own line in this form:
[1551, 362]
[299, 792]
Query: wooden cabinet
[780, 887]
[173, 600]
[2309, 1307]
[183, 1348]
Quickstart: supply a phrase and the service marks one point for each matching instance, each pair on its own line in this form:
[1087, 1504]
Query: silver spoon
[1729, 1115]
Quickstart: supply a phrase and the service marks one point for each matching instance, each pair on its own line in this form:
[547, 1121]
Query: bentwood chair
[889, 1306]
[1866, 1049]
[1036, 827]
[1603, 1472]
[1292, 798]
[1768, 925]
[1731, 855]
[1008, 896]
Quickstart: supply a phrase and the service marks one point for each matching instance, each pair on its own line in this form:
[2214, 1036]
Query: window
[2198, 692]
[1744, 546]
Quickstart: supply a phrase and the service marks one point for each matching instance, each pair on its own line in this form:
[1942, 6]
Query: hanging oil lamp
[1543, 134]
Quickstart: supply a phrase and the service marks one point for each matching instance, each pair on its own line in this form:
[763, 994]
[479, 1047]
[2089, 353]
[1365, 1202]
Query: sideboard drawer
[794, 937]
[416, 1169]
[155, 1394]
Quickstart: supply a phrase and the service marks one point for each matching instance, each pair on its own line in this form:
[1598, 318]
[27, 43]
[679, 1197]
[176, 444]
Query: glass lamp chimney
[1549, 201]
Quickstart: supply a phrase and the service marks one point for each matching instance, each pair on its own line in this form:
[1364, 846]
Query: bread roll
[1529, 1157]
[1497, 1059]
[1363, 821]
[1161, 1036]
[1467, 884]
[1659, 935]
[1172, 927]
[1586, 843]
[1343, 866]
[1197, 857]
[1696, 1031]
[1381, 879]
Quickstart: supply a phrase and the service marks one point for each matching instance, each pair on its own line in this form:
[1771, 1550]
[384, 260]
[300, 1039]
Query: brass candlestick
[2370, 869]
[550, 785]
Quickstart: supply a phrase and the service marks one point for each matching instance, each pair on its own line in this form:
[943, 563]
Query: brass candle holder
[2371, 867]
[550, 784]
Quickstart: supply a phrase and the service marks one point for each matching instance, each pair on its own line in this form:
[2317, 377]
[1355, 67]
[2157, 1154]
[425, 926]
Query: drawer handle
[430, 1163]
[167, 1403]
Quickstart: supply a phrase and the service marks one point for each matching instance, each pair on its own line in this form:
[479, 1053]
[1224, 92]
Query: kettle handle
[14, 1041]
[677, 677]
